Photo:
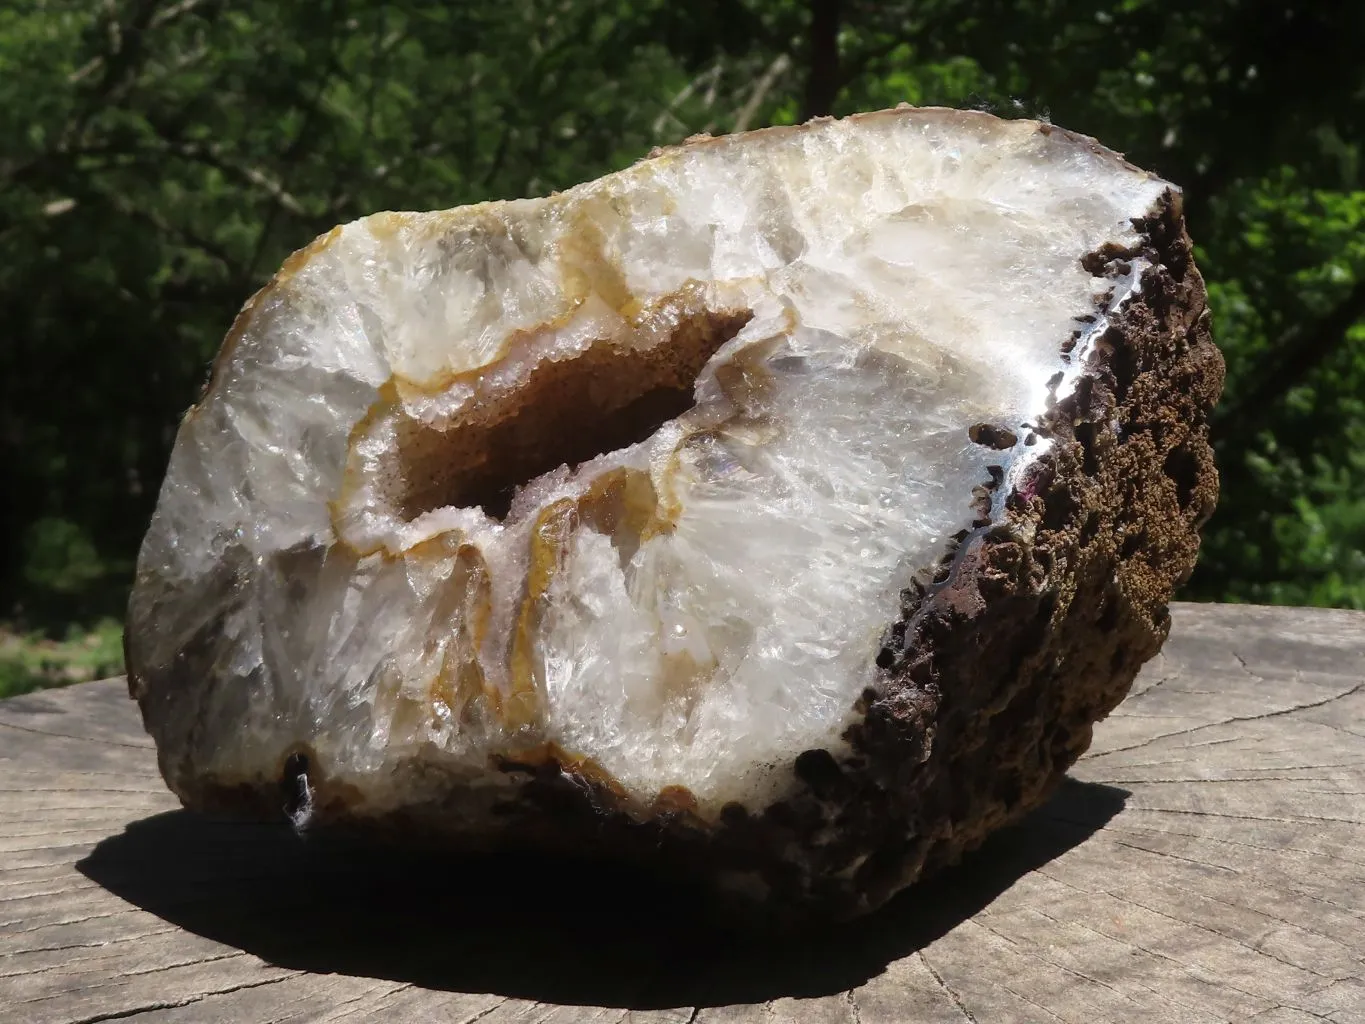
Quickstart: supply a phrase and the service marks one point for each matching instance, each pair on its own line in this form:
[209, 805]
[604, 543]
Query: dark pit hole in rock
[1097, 263]
[1059, 509]
[981, 505]
[1124, 365]
[734, 814]
[294, 786]
[1052, 384]
[820, 771]
[1131, 543]
[1008, 791]
[1084, 394]
[1183, 468]
[781, 815]
[1117, 660]
[564, 412]
[991, 436]
[912, 595]
[1086, 435]
[1109, 614]
[1089, 529]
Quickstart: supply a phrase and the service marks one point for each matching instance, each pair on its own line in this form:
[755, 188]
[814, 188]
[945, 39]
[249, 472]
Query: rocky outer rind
[1004, 669]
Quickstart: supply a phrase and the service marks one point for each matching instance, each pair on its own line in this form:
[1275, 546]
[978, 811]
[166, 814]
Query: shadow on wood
[549, 929]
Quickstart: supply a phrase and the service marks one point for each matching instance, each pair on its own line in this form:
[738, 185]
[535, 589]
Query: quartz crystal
[788, 503]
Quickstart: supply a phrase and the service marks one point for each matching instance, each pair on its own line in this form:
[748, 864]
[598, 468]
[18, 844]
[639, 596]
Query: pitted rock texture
[786, 507]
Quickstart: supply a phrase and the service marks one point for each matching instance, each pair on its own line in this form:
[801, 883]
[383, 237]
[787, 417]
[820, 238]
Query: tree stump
[1205, 862]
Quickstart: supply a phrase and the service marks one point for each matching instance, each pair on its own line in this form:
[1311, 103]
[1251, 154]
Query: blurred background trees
[159, 158]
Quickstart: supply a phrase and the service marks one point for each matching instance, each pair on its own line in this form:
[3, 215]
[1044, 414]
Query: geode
[785, 508]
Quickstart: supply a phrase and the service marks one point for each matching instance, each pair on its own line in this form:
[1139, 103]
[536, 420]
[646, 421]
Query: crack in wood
[152, 1007]
[7, 929]
[1166, 996]
[1033, 1002]
[854, 1013]
[485, 1011]
[1213, 931]
[1263, 716]
[79, 739]
[372, 998]
[938, 978]
[1138, 831]
[1058, 965]
[1298, 818]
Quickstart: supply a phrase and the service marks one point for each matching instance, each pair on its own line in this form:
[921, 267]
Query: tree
[159, 158]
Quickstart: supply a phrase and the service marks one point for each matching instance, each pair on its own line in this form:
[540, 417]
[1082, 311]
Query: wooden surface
[1206, 863]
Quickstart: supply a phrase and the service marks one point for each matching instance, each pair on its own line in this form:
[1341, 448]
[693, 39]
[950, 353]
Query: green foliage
[159, 158]
[1291, 444]
[60, 557]
[33, 661]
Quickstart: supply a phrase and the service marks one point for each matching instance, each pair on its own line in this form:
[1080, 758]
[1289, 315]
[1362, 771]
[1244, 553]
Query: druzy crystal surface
[629, 479]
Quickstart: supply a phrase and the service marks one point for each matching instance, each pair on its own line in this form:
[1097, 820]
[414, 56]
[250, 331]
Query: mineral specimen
[787, 506]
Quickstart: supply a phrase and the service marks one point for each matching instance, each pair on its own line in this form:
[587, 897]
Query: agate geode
[786, 507]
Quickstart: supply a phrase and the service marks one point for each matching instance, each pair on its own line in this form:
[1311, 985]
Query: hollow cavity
[565, 412]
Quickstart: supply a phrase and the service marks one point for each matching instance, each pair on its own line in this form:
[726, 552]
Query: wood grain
[1205, 863]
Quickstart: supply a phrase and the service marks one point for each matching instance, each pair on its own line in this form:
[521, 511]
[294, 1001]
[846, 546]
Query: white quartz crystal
[693, 607]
